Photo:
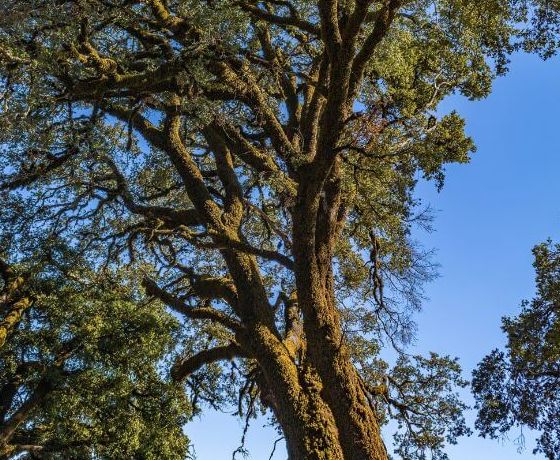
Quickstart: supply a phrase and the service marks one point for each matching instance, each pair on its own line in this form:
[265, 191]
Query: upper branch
[36, 171]
[207, 313]
[226, 173]
[175, 217]
[186, 366]
[253, 96]
[383, 21]
[330, 32]
[293, 20]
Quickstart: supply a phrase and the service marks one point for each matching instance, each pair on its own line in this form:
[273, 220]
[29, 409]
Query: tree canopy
[519, 386]
[80, 371]
[254, 164]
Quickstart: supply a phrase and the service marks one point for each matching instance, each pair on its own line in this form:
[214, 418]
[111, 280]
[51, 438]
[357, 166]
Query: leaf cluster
[519, 386]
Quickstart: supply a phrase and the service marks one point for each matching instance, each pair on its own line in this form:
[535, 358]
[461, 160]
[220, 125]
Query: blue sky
[488, 216]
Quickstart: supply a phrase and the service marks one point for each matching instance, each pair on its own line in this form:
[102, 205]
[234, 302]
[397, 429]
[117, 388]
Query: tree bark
[319, 401]
[13, 317]
[317, 221]
[8, 427]
[13, 302]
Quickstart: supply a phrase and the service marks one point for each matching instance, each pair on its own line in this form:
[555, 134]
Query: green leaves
[429, 410]
[418, 399]
[519, 386]
[101, 347]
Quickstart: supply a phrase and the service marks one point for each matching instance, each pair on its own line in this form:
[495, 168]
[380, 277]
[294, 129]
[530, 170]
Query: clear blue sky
[488, 216]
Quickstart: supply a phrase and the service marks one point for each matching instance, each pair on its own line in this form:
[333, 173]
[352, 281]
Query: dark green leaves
[87, 359]
[519, 386]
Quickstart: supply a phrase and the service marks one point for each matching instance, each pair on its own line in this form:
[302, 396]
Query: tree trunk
[320, 404]
[336, 391]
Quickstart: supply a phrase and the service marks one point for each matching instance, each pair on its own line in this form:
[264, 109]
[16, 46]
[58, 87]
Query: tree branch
[207, 313]
[186, 366]
[293, 20]
[383, 21]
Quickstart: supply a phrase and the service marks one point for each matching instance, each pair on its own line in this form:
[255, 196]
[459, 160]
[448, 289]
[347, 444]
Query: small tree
[519, 387]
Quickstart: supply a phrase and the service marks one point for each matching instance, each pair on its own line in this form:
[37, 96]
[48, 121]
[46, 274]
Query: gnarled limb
[195, 313]
[188, 365]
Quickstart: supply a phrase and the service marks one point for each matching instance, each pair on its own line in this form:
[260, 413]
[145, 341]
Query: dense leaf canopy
[80, 372]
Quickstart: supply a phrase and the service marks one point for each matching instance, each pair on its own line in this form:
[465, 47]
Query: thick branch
[13, 317]
[330, 33]
[14, 301]
[186, 366]
[207, 313]
[226, 174]
[8, 428]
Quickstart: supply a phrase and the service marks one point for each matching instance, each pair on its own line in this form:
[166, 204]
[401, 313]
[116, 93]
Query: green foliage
[417, 397]
[97, 348]
[89, 90]
[519, 386]
[431, 415]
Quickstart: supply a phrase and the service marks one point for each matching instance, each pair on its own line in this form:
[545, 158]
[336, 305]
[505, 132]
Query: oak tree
[80, 369]
[256, 160]
[519, 386]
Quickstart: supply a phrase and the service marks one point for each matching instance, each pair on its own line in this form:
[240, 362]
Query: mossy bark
[316, 226]
[12, 318]
[14, 303]
[319, 403]
[318, 399]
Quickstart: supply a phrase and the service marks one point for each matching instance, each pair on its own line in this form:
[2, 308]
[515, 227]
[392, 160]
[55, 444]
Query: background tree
[257, 161]
[80, 373]
[519, 386]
